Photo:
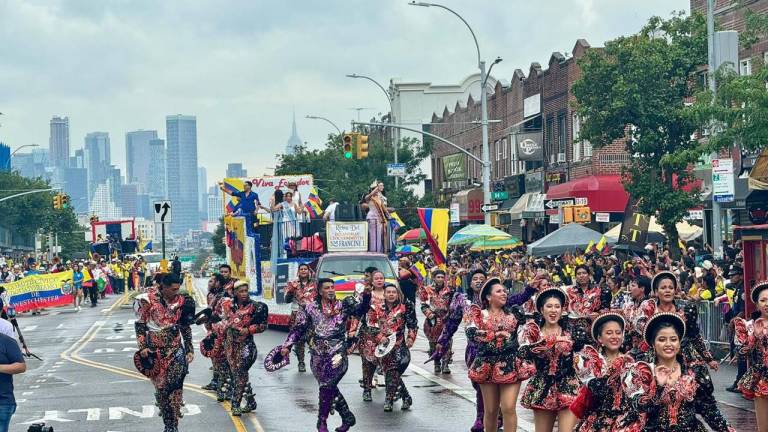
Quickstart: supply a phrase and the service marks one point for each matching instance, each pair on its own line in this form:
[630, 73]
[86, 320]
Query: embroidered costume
[398, 319]
[437, 300]
[299, 293]
[751, 338]
[240, 349]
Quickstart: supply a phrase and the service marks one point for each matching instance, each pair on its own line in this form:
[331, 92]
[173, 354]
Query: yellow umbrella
[495, 243]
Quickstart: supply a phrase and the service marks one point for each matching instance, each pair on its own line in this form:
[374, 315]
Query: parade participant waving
[585, 298]
[435, 305]
[670, 392]
[325, 321]
[550, 341]
[369, 332]
[752, 340]
[299, 292]
[665, 287]
[245, 318]
[496, 369]
[601, 401]
[165, 344]
[398, 324]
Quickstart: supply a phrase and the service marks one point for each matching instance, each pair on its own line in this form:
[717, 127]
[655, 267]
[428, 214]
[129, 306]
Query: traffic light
[64, 201]
[348, 142]
[362, 146]
[57, 201]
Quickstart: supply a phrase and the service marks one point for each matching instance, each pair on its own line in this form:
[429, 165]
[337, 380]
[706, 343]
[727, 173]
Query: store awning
[758, 177]
[604, 193]
[529, 205]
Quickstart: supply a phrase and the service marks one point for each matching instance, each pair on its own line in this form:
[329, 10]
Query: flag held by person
[601, 244]
[591, 245]
[434, 221]
[395, 222]
[314, 204]
[419, 271]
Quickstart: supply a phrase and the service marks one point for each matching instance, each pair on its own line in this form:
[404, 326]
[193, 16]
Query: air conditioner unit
[561, 158]
[552, 159]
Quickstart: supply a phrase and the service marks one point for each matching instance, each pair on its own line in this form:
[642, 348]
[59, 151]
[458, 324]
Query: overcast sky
[241, 66]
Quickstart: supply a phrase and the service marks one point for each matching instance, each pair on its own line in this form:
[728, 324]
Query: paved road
[87, 382]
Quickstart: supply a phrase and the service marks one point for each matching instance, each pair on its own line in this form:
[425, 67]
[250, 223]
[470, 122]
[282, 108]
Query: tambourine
[386, 346]
[275, 360]
[147, 366]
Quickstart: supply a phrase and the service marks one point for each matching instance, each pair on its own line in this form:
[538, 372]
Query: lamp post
[326, 120]
[396, 140]
[15, 151]
[483, 105]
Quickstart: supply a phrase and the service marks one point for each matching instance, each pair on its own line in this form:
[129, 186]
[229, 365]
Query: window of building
[561, 133]
[548, 131]
[576, 126]
[745, 67]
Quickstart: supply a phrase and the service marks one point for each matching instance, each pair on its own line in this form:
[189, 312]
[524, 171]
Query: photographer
[11, 363]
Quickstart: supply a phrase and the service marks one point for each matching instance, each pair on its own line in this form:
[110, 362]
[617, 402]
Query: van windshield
[344, 266]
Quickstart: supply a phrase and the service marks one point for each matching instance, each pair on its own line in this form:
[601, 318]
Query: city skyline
[239, 103]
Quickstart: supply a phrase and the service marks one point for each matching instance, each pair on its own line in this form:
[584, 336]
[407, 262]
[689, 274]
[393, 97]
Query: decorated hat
[147, 366]
[754, 293]
[604, 318]
[658, 277]
[487, 287]
[275, 360]
[548, 293]
[651, 328]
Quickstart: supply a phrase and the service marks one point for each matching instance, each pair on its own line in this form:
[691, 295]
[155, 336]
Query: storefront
[470, 203]
[527, 217]
[505, 194]
[603, 194]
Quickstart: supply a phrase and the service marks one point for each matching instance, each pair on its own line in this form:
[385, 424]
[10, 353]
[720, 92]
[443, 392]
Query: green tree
[218, 240]
[34, 213]
[348, 180]
[637, 89]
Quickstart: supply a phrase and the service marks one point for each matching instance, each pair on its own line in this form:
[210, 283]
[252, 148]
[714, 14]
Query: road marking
[72, 354]
[29, 328]
[463, 392]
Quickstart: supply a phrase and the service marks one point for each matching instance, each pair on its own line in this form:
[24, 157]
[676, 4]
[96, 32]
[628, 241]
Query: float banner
[40, 291]
[634, 228]
[234, 236]
[265, 187]
[347, 236]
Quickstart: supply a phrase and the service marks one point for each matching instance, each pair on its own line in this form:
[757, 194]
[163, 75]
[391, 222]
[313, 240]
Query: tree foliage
[218, 240]
[638, 88]
[348, 180]
[30, 214]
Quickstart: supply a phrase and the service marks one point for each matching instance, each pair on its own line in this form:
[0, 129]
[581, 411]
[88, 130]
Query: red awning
[603, 193]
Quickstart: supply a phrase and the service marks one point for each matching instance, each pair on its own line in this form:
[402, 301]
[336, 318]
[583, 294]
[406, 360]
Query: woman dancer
[665, 287]
[325, 323]
[601, 401]
[550, 341]
[368, 335]
[245, 318]
[752, 340]
[670, 392]
[496, 368]
[398, 318]
[165, 344]
[299, 292]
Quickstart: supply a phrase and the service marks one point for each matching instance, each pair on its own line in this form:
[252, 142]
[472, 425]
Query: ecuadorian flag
[435, 224]
[233, 185]
[314, 203]
[395, 222]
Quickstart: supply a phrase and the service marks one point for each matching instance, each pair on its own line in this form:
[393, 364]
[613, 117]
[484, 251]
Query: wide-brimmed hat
[754, 293]
[604, 318]
[147, 366]
[275, 360]
[735, 270]
[660, 318]
[487, 286]
[658, 277]
[549, 293]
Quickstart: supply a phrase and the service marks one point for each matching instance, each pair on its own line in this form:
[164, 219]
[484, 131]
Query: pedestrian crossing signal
[57, 201]
[362, 146]
[347, 145]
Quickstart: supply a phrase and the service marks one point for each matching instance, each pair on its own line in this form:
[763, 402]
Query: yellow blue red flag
[434, 221]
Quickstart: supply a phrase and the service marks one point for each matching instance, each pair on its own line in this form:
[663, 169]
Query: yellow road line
[72, 354]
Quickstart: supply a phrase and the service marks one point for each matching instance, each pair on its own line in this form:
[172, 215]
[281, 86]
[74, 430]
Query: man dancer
[435, 305]
[208, 344]
[228, 284]
[300, 292]
[324, 320]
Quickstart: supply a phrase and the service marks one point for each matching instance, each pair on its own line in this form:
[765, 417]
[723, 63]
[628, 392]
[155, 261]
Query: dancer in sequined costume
[163, 334]
[586, 299]
[398, 318]
[244, 318]
[299, 292]
[751, 338]
[436, 300]
[325, 322]
[368, 333]
[207, 344]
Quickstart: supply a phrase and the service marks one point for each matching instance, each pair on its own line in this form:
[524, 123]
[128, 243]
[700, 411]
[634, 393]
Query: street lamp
[15, 151]
[396, 143]
[326, 120]
[483, 105]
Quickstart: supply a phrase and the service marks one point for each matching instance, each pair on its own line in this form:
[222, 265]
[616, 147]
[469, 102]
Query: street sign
[396, 170]
[602, 217]
[581, 201]
[163, 212]
[723, 188]
[489, 207]
[499, 196]
[560, 202]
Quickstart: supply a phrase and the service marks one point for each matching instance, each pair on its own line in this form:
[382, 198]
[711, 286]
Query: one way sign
[163, 212]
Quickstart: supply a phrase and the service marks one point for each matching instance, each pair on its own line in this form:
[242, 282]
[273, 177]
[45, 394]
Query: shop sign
[602, 217]
[529, 146]
[534, 182]
[455, 167]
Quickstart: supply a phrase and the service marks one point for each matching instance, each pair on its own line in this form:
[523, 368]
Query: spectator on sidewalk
[176, 266]
[737, 311]
[11, 363]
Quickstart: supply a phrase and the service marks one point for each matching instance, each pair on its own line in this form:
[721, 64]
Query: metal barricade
[712, 325]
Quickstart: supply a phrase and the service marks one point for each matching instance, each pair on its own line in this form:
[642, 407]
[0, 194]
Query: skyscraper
[129, 194]
[294, 142]
[181, 161]
[97, 159]
[236, 170]
[58, 142]
[31, 165]
[137, 156]
[156, 187]
[202, 199]
[5, 158]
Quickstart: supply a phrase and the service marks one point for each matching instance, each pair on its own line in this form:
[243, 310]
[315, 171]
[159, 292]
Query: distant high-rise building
[31, 165]
[97, 157]
[115, 180]
[5, 157]
[156, 187]
[144, 207]
[58, 142]
[181, 162]
[236, 170]
[215, 207]
[202, 202]
[75, 184]
[129, 194]
[137, 156]
[78, 160]
[294, 142]
[103, 203]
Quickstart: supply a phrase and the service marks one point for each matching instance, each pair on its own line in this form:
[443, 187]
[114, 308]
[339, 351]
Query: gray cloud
[241, 66]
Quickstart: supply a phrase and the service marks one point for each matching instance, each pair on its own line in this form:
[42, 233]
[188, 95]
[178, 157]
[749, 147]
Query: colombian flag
[232, 185]
[601, 244]
[419, 271]
[314, 203]
[435, 225]
[395, 222]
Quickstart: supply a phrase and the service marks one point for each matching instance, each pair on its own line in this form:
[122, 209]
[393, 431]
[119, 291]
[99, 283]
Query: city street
[87, 382]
